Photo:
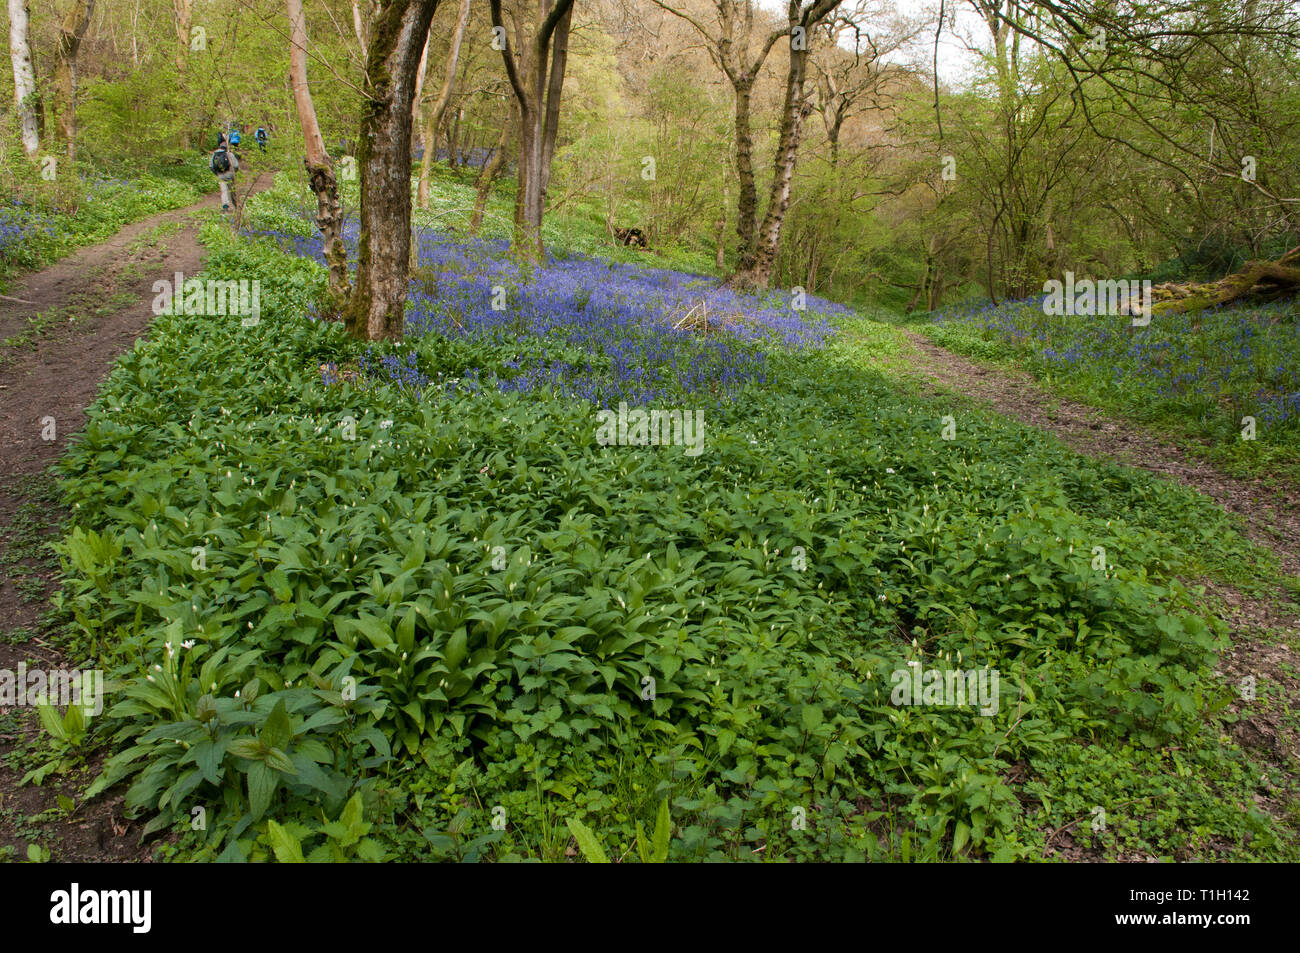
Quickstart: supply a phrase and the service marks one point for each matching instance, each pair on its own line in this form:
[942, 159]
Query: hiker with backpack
[260, 136]
[224, 164]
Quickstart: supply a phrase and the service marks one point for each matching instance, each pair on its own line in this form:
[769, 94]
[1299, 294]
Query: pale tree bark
[320, 172]
[755, 269]
[358, 27]
[538, 82]
[433, 114]
[728, 42]
[419, 86]
[361, 22]
[71, 30]
[20, 53]
[377, 308]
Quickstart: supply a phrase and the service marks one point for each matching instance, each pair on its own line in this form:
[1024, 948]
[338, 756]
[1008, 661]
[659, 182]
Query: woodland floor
[74, 319]
[84, 311]
[1265, 626]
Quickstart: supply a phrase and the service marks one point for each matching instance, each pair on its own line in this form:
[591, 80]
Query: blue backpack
[234, 137]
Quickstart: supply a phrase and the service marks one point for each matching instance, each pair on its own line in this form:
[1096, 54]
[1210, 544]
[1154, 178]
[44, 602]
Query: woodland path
[75, 317]
[1269, 509]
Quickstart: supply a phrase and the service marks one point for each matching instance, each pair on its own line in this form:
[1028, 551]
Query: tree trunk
[554, 89]
[359, 29]
[71, 30]
[1264, 279]
[489, 175]
[20, 53]
[528, 224]
[721, 254]
[419, 87]
[747, 201]
[434, 116]
[320, 172]
[756, 272]
[377, 309]
[538, 95]
[453, 140]
[184, 10]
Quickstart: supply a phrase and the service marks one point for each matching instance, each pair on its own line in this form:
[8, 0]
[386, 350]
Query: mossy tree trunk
[377, 308]
[71, 30]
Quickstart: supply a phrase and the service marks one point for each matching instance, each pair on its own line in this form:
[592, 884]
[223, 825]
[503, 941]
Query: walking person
[224, 164]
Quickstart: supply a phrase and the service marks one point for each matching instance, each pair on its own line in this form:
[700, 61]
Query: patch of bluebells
[584, 327]
[19, 226]
[308, 246]
[1245, 356]
[97, 185]
[404, 372]
[475, 158]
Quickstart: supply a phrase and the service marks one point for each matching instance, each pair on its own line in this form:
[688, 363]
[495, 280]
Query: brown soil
[75, 318]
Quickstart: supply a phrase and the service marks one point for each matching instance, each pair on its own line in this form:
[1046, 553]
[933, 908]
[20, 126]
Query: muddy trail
[64, 327]
[1270, 512]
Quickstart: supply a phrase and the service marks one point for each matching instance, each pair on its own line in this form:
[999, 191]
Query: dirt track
[79, 314]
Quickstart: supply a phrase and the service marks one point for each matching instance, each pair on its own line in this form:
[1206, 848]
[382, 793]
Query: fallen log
[1267, 280]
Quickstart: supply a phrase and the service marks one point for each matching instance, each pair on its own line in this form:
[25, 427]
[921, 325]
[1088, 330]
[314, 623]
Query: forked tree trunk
[20, 54]
[488, 176]
[757, 273]
[71, 30]
[538, 82]
[377, 309]
[320, 172]
[756, 270]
